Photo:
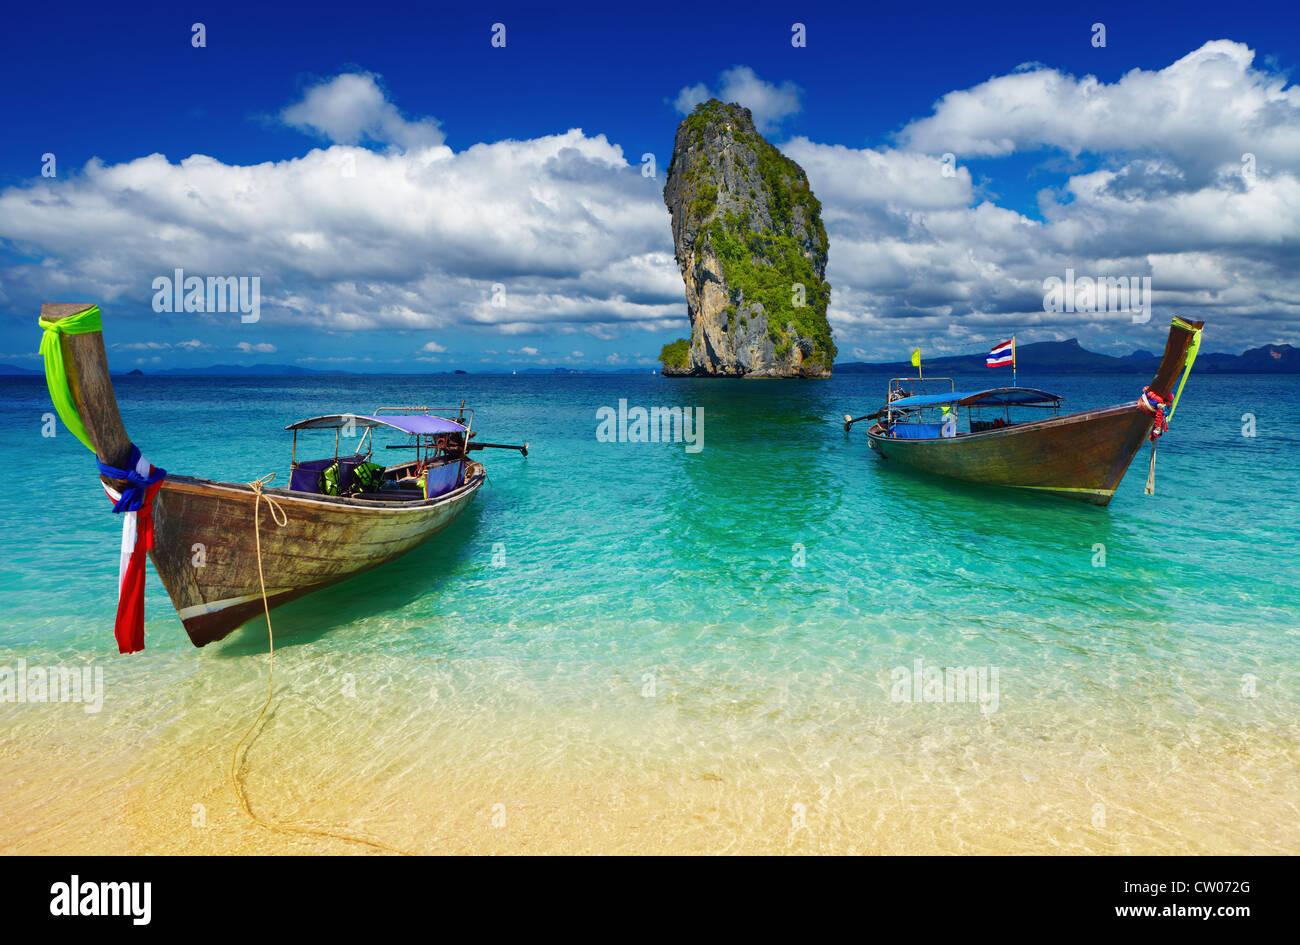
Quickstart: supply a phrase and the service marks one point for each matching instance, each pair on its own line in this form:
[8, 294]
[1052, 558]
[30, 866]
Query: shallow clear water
[632, 647]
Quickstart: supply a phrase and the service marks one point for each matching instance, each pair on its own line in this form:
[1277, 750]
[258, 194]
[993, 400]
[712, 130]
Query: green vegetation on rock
[676, 354]
[763, 266]
[706, 196]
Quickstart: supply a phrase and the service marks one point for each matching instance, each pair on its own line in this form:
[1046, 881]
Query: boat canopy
[993, 397]
[415, 424]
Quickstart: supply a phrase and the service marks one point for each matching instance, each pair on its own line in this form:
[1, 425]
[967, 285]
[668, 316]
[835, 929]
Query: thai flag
[1002, 355]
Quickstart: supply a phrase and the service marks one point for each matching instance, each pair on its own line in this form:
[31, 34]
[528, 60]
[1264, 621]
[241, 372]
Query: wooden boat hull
[206, 553]
[1079, 456]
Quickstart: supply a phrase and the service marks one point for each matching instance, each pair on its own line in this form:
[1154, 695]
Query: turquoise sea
[631, 647]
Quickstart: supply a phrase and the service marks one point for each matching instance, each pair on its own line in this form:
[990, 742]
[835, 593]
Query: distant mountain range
[1069, 357]
[226, 370]
[1042, 357]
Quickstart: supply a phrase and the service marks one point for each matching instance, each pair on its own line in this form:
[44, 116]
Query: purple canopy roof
[419, 423]
[993, 397]
[416, 424]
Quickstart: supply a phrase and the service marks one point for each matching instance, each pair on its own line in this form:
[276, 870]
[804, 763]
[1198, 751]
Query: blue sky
[117, 86]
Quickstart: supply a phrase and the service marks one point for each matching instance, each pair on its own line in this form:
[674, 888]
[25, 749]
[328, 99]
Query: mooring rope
[281, 519]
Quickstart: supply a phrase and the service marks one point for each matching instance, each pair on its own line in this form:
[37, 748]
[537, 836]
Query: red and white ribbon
[137, 540]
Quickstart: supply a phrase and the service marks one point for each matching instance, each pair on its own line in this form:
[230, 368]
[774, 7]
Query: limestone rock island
[748, 237]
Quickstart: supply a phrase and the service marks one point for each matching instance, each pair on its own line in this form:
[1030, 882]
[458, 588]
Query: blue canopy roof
[416, 424]
[993, 397]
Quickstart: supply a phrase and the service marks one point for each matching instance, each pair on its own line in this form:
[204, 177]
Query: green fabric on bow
[56, 374]
[1188, 361]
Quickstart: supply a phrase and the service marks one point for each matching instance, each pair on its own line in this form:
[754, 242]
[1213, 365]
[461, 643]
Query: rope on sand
[281, 519]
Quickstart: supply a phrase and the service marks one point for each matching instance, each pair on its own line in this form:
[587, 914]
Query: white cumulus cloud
[352, 108]
[349, 239]
[769, 103]
[1205, 110]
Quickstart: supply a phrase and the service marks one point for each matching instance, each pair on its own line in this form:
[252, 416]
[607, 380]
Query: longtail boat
[217, 551]
[1080, 456]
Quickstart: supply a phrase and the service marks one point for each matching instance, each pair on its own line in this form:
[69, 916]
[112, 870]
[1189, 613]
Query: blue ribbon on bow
[133, 494]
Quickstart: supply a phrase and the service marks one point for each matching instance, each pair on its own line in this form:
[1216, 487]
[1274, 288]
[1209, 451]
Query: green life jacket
[367, 477]
[328, 480]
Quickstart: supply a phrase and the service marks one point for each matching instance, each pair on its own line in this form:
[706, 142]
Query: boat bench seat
[916, 431]
[305, 476]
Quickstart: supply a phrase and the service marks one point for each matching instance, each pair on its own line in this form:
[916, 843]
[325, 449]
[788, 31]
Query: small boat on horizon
[341, 514]
[1081, 456]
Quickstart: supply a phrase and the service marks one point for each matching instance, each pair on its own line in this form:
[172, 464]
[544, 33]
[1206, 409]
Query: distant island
[1069, 357]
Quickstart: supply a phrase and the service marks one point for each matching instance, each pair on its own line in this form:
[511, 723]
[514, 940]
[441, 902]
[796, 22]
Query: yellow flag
[916, 358]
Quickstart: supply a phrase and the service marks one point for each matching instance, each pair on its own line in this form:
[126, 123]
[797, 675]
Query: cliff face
[752, 250]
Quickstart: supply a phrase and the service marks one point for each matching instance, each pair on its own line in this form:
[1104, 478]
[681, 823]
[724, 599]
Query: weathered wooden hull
[1080, 456]
[325, 539]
